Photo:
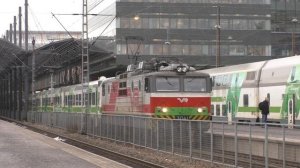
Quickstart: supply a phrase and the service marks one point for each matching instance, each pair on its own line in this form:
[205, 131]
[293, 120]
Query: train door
[291, 111]
[229, 112]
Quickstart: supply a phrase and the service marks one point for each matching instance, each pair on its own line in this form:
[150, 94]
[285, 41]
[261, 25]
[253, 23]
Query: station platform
[273, 132]
[281, 142]
[22, 148]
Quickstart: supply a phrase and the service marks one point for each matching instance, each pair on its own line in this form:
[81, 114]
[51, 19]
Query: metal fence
[235, 144]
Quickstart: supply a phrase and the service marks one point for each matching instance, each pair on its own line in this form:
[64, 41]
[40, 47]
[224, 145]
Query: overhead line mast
[85, 66]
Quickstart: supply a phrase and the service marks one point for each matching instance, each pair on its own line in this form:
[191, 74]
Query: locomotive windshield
[183, 84]
[167, 84]
[194, 84]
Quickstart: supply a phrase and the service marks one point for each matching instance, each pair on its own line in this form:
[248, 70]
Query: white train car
[238, 89]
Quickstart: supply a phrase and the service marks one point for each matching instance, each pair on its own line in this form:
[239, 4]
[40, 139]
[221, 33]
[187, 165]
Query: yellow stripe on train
[194, 117]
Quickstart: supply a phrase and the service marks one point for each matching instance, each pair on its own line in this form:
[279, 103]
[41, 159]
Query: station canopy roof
[11, 56]
[56, 55]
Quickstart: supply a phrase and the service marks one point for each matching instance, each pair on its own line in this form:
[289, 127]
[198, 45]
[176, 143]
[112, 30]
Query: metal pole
[250, 145]
[266, 147]
[15, 30]
[294, 21]
[211, 143]
[7, 35]
[18, 117]
[33, 79]
[236, 145]
[172, 135]
[223, 150]
[165, 137]
[180, 134]
[10, 33]
[283, 147]
[11, 100]
[293, 43]
[26, 25]
[190, 138]
[51, 98]
[218, 37]
[124, 129]
[20, 88]
[200, 138]
[145, 129]
[133, 130]
[157, 136]
[85, 65]
[20, 27]
[26, 83]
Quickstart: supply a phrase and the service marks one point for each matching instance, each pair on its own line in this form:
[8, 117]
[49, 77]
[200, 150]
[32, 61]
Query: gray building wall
[188, 27]
[283, 12]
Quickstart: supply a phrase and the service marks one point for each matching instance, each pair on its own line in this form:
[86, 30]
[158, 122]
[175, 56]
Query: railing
[237, 144]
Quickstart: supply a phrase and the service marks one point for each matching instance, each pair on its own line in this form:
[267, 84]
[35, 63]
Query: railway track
[228, 158]
[123, 159]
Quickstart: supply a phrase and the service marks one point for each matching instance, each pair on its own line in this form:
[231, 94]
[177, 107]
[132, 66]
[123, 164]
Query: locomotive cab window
[192, 84]
[147, 85]
[167, 84]
[103, 90]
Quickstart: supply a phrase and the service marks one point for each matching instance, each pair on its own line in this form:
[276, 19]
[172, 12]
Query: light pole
[294, 21]
[218, 36]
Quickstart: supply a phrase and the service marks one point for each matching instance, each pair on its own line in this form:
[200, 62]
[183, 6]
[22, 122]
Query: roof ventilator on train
[159, 66]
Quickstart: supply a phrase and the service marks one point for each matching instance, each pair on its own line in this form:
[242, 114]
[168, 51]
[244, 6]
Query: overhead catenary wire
[37, 23]
[94, 5]
[103, 31]
[62, 26]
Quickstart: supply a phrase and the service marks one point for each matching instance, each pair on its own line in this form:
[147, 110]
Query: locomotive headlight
[200, 110]
[179, 69]
[164, 109]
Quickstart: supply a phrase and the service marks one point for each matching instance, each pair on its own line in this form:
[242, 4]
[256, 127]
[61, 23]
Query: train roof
[190, 73]
[159, 67]
[93, 83]
[281, 62]
[255, 66]
[235, 68]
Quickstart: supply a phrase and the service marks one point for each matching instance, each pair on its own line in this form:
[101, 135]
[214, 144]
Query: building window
[195, 50]
[154, 23]
[237, 50]
[182, 23]
[156, 49]
[124, 23]
[164, 23]
[246, 100]
[135, 23]
[145, 22]
[176, 50]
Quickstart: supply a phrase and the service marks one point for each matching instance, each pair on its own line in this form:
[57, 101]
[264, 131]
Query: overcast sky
[40, 17]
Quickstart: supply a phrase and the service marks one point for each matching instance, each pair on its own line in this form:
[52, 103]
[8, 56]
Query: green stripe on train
[255, 109]
[217, 99]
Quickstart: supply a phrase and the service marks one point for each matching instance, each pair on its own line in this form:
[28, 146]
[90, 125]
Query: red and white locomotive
[157, 89]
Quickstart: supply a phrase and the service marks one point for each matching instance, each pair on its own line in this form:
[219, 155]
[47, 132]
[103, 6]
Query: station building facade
[250, 30]
[285, 27]
[184, 29]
